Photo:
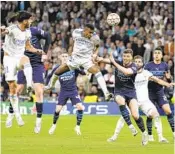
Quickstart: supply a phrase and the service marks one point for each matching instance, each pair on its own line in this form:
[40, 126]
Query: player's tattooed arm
[161, 82]
[30, 48]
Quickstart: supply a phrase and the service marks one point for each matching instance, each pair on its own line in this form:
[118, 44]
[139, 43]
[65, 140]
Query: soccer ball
[113, 19]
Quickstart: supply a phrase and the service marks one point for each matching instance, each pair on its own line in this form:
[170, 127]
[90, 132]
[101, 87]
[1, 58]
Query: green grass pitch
[95, 131]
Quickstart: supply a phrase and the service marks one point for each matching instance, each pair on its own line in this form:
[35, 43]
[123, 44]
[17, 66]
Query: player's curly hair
[90, 26]
[23, 15]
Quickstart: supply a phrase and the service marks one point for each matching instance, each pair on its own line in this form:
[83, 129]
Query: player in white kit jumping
[86, 44]
[17, 40]
[148, 108]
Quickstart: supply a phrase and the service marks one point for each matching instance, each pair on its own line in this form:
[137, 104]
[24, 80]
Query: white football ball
[113, 19]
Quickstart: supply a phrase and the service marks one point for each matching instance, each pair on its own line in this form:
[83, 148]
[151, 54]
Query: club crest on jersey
[81, 41]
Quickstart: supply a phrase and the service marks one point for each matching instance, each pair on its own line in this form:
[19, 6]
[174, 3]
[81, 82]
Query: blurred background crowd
[144, 26]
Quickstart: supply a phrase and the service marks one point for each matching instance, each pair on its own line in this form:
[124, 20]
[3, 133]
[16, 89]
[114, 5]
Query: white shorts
[11, 64]
[146, 107]
[74, 62]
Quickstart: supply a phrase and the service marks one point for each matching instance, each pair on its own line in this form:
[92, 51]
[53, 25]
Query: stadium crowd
[144, 26]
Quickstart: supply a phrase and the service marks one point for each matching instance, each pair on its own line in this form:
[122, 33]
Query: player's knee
[12, 87]
[39, 92]
[153, 114]
[167, 112]
[119, 100]
[79, 106]
[58, 108]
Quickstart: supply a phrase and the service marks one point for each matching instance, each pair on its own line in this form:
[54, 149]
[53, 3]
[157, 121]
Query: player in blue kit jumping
[38, 72]
[68, 91]
[156, 91]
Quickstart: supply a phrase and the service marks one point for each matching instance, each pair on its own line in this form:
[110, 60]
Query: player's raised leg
[101, 81]
[27, 68]
[60, 70]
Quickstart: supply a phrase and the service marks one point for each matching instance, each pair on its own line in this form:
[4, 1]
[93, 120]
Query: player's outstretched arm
[126, 71]
[30, 48]
[103, 60]
[161, 82]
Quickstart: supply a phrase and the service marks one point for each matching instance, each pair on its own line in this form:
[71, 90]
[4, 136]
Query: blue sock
[55, 117]
[149, 125]
[170, 118]
[125, 114]
[39, 109]
[79, 116]
[140, 124]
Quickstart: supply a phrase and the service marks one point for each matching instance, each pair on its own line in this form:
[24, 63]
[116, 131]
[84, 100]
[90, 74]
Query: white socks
[14, 101]
[38, 120]
[101, 82]
[119, 125]
[158, 125]
[28, 74]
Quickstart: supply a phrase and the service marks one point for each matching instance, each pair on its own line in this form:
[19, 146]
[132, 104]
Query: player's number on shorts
[78, 96]
[165, 98]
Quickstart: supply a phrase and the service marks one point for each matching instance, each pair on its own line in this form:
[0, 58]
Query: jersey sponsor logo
[19, 42]
[67, 76]
[122, 77]
[158, 74]
[81, 41]
[141, 82]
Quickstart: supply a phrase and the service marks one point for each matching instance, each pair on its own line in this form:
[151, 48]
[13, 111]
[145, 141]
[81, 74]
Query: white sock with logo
[101, 82]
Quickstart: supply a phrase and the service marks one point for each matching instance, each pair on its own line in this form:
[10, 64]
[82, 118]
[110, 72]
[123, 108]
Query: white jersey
[15, 41]
[83, 47]
[141, 85]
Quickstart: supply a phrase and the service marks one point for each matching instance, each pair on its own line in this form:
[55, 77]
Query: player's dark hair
[128, 51]
[23, 15]
[138, 57]
[90, 26]
[158, 48]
